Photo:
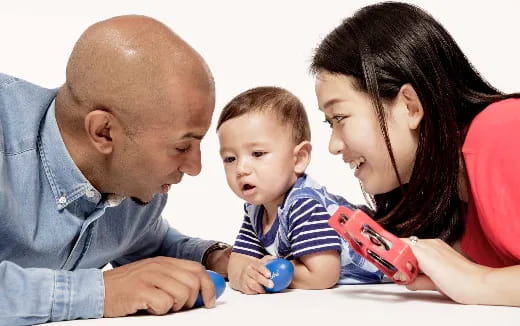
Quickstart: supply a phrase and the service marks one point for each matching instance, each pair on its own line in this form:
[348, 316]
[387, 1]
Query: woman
[434, 144]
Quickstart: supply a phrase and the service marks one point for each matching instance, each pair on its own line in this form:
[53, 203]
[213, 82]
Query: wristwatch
[214, 247]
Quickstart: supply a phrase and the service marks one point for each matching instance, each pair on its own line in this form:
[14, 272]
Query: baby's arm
[315, 246]
[248, 274]
[316, 271]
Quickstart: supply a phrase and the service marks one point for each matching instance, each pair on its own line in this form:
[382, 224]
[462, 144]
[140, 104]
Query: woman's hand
[447, 271]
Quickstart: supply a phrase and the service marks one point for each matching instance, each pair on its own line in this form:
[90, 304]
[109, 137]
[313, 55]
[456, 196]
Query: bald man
[84, 176]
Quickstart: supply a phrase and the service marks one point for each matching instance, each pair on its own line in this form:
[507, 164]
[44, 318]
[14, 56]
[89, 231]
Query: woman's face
[357, 136]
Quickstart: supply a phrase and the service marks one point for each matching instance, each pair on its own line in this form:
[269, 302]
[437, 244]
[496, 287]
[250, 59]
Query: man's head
[136, 103]
[264, 138]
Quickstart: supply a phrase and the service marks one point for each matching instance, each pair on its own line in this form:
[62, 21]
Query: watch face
[222, 245]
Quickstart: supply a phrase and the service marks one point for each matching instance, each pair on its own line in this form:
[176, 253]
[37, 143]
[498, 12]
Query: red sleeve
[492, 156]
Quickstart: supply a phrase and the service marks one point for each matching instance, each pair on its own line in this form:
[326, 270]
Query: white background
[246, 44]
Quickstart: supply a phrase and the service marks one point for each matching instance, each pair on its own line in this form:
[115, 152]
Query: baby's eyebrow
[254, 143]
[223, 150]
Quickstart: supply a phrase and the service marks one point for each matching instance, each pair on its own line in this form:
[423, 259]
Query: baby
[265, 145]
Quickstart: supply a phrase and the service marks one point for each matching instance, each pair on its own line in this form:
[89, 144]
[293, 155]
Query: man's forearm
[38, 295]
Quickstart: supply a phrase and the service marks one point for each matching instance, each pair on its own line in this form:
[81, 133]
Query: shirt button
[90, 193]
[62, 200]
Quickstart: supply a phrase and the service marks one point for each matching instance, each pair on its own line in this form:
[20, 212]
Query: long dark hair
[385, 46]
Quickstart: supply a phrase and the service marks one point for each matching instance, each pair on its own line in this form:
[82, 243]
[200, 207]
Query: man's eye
[229, 159]
[258, 154]
[183, 149]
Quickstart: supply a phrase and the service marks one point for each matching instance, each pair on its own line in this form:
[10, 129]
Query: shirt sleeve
[38, 295]
[160, 239]
[247, 241]
[309, 230]
[492, 156]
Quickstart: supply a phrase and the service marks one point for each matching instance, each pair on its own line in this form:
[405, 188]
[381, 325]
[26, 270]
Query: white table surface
[386, 304]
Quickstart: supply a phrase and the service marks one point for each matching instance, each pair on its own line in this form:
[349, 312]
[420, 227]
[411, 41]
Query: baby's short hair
[269, 99]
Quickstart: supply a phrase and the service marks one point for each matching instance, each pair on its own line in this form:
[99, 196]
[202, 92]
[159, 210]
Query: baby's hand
[254, 277]
[267, 258]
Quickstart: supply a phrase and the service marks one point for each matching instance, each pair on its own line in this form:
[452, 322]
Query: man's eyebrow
[192, 135]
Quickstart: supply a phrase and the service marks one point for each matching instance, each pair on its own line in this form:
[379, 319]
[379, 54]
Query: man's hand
[218, 261]
[158, 285]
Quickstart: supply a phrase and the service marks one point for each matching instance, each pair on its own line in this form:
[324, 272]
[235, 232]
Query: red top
[492, 155]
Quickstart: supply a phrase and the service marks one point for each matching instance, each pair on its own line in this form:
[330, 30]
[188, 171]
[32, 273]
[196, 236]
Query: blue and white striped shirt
[301, 228]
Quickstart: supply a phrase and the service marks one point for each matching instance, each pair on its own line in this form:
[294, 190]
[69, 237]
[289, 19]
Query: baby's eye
[258, 153]
[229, 159]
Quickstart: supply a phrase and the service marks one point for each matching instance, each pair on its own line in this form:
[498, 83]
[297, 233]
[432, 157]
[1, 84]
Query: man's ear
[414, 107]
[302, 156]
[98, 125]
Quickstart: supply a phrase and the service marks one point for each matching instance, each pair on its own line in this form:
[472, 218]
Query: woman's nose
[336, 144]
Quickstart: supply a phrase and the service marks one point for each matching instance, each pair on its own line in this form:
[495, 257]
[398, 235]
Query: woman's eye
[258, 154]
[327, 121]
[338, 118]
[334, 120]
[229, 159]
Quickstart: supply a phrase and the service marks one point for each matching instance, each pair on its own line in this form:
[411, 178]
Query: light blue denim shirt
[56, 230]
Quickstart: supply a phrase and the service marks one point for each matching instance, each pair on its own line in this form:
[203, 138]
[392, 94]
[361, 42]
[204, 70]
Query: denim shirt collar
[66, 180]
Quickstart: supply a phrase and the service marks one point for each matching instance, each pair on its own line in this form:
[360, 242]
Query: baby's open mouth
[247, 186]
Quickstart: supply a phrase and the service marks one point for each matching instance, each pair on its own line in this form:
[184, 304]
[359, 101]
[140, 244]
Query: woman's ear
[414, 107]
[98, 126]
[302, 157]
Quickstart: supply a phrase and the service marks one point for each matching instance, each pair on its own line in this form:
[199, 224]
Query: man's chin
[139, 201]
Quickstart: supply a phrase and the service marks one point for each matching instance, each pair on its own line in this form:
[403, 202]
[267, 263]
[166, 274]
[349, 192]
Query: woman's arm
[450, 273]
[316, 271]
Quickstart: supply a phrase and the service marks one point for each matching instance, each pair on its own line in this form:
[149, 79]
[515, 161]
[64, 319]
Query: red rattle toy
[383, 249]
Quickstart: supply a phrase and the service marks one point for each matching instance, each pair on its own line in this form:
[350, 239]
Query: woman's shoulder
[498, 112]
[497, 121]
[492, 158]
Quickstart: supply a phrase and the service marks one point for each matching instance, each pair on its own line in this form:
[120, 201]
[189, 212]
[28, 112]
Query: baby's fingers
[260, 274]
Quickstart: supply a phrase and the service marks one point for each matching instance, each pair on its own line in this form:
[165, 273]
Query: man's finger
[176, 288]
[207, 290]
[158, 302]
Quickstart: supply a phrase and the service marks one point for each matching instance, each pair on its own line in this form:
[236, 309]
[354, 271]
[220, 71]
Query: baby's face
[258, 155]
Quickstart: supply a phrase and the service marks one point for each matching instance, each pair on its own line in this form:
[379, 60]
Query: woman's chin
[377, 189]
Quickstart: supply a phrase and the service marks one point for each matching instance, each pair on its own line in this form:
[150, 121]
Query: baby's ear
[302, 156]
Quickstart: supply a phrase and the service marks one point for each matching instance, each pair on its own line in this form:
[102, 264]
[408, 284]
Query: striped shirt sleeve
[309, 231]
[247, 242]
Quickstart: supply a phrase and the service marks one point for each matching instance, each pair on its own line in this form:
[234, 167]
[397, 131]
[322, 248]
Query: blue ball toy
[220, 286]
[281, 274]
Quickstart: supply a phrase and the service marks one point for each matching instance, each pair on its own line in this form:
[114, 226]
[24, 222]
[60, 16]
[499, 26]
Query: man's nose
[192, 164]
